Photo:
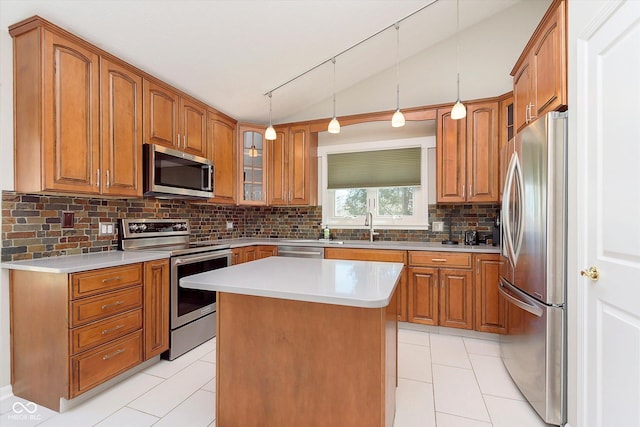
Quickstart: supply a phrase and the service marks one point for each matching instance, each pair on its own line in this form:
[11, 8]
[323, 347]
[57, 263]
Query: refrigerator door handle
[506, 210]
[524, 302]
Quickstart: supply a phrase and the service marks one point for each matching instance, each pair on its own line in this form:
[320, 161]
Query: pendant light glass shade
[334, 124]
[459, 111]
[397, 120]
[270, 133]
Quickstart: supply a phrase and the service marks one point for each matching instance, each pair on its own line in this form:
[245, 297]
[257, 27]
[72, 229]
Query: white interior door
[608, 212]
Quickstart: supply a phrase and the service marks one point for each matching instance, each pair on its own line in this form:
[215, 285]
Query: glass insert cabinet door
[253, 177]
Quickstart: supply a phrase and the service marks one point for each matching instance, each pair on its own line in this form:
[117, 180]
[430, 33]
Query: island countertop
[365, 284]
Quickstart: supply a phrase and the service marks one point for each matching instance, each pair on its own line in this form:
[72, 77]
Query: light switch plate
[229, 225]
[438, 226]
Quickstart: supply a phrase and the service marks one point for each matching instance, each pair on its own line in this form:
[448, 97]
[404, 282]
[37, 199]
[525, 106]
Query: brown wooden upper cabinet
[252, 160]
[292, 167]
[174, 120]
[62, 141]
[222, 152]
[507, 132]
[540, 74]
[467, 155]
[121, 97]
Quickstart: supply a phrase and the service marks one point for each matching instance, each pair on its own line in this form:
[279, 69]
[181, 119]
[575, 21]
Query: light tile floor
[444, 381]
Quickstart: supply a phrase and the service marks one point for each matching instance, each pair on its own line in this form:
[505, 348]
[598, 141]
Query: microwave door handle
[207, 176]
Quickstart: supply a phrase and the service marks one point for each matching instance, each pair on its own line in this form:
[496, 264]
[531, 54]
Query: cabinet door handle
[115, 328]
[178, 140]
[531, 115]
[184, 141]
[463, 188]
[478, 264]
[107, 183]
[98, 177]
[438, 259]
[113, 304]
[470, 192]
[111, 279]
[114, 354]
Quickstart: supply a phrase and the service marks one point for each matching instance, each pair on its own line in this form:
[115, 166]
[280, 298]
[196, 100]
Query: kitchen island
[305, 342]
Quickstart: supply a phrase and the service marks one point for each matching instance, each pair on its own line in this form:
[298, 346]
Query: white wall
[488, 52]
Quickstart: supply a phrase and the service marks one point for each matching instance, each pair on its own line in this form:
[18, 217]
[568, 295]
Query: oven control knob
[183, 226]
[143, 227]
[133, 228]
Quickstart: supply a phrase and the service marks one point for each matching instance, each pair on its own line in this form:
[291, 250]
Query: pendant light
[459, 111]
[334, 124]
[270, 133]
[398, 118]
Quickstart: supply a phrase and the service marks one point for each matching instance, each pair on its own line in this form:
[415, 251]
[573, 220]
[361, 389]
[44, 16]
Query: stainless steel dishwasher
[301, 251]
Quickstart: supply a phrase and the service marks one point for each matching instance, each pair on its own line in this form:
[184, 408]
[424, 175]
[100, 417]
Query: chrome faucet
[368, 222]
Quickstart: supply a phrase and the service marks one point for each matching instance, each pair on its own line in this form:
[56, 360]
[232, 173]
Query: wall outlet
[229, 225]
[105, 228]
[438, 225]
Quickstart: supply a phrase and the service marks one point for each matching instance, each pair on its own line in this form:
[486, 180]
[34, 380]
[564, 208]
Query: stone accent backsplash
[32, 223]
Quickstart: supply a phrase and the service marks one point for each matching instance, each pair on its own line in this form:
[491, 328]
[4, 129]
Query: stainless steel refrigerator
[533, 278]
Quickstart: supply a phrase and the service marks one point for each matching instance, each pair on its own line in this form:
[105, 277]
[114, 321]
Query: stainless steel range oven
[193, 317]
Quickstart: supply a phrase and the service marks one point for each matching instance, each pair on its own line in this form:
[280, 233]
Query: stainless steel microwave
[172, 174]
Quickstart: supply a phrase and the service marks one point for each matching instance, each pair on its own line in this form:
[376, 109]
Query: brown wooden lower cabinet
[384, 255]
[72, 332]
[491, 308]
[252, 253]
[441, 297]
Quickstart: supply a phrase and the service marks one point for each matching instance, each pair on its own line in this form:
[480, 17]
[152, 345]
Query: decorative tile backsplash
[32, 223]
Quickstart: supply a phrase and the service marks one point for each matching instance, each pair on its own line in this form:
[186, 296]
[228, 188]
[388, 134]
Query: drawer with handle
[107, 279]
[97, 308]
[96, 366]
[97, 333]
[440, 259]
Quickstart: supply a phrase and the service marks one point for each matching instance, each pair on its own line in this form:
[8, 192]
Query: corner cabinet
[222, 152]
[72, 332]
[174, 120]
[252, 160]
[540, 74]
[293, 167]
[467, 155]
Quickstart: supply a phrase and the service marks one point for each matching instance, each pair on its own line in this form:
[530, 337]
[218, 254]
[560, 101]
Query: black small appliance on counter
[496, 229]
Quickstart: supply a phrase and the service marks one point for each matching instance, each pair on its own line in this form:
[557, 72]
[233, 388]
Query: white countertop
[362, 244]
[75, 263]
[352, 283]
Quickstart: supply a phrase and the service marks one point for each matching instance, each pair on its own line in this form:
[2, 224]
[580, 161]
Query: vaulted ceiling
[230, 53]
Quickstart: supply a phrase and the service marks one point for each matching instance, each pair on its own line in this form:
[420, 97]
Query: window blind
[381, 168]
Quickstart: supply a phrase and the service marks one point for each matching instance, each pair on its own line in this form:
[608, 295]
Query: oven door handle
[196, 258]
